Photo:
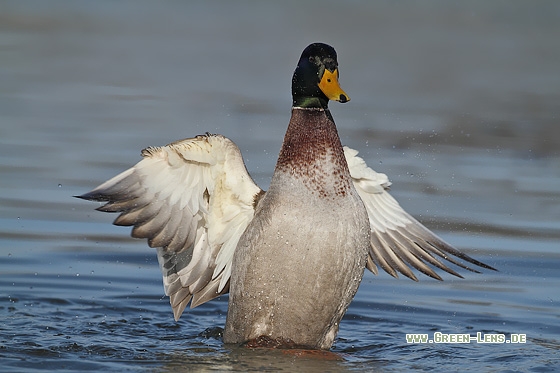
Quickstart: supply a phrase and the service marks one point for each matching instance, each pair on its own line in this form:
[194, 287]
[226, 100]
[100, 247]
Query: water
[458, 103]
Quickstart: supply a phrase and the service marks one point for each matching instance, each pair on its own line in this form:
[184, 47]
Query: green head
[315, 80]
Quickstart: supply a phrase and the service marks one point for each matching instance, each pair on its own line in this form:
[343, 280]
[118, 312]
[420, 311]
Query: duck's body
[292, 258]
[302, 257]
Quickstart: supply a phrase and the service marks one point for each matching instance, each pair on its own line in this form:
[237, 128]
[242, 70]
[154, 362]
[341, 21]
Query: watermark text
[480, 337]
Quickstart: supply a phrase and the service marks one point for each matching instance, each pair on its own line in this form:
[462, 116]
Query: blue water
[457, 103]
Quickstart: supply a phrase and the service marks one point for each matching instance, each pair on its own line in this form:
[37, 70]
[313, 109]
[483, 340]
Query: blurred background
[458, 102]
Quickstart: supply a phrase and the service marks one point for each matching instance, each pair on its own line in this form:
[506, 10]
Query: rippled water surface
[458, 104]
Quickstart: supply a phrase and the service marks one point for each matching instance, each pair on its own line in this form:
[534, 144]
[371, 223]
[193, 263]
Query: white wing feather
[398, 241]
[192, 200]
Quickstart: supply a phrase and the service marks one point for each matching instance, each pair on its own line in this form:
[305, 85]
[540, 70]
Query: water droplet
[60, 185]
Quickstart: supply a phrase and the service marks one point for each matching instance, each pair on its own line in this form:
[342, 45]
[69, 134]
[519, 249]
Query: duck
[292, 257]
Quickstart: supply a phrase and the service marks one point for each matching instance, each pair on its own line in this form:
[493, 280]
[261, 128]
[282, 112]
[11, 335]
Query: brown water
[457, 103]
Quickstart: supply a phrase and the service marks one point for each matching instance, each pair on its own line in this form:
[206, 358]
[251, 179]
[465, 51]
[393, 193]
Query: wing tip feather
[93, 196]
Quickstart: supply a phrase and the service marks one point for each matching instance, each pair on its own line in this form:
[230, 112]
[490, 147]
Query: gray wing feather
[398, 241]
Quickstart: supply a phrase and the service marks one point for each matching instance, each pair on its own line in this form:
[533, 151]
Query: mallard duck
[292, 257]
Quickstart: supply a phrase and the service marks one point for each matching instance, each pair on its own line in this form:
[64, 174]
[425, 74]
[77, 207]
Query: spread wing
[192, 200]
[398, 241]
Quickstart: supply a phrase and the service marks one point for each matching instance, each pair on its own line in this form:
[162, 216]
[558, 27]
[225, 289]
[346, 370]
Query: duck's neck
[313, 154]
[300, 102]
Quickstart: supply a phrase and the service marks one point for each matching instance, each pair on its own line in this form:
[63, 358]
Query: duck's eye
[328, 80]
[315, 60]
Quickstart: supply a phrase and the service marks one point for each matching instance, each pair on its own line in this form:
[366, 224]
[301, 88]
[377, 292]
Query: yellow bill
[330, 87]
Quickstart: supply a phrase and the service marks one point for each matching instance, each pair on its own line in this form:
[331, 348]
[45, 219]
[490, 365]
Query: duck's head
[315, 80]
